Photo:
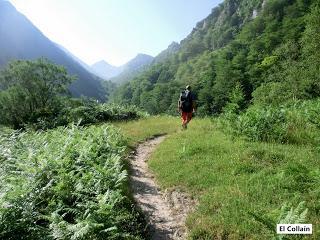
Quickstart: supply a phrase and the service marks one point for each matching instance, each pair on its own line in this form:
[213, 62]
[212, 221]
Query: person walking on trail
[186, 106]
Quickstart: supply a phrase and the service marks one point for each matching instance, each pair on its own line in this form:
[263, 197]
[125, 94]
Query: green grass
[241, 186]
[140, 130]
[71, 183]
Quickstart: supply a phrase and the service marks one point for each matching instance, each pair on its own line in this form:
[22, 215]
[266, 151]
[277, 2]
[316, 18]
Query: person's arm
[194, 106]
[179, 106]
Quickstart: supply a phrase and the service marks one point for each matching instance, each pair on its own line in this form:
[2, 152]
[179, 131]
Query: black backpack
[186, 101]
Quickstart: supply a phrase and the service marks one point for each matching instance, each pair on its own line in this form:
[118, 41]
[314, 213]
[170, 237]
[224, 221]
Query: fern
[65, 183]
[293, 216]
[288, 215]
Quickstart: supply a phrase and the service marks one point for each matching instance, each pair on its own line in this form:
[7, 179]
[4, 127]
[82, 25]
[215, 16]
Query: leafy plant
[67, 183]
[31, 89]
[287, 215]
[296, 122]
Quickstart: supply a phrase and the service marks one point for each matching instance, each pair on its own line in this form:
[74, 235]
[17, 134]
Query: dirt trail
[165, 211]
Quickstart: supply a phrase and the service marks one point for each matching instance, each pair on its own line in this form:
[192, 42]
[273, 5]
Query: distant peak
[173, 44]
[143, 55]
[101, 62]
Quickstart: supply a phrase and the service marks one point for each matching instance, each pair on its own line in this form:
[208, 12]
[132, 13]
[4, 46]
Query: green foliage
[236, 100]
[269, 61]
[31, 96]
[109, 87]
[92, 112]
[288, 215]
[31, 89]
[67, 183]
[272, 56]
[272, 93]
[292, 123]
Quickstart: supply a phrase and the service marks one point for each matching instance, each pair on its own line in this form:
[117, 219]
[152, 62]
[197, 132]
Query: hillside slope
[262, 47]
[124, 72]
[105, 70]
[132, 68]
[20, 39]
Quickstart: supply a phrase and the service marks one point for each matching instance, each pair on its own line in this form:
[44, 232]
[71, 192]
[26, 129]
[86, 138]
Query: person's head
[188, 87]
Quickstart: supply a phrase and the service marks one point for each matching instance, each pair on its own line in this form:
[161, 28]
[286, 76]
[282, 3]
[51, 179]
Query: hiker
[186, 106]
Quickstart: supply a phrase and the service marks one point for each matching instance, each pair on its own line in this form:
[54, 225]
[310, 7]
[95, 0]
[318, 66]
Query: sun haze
[115, 30]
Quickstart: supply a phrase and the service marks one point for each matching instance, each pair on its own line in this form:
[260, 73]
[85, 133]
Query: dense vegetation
[31, 89]
[34, 94]
[268, 48]
[67, 183]
[63, 183]
[297, 122]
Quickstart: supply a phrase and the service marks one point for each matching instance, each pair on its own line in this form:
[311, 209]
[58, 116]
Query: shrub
[298, 122]
[84, 112]
[102, 113]
[67, 183]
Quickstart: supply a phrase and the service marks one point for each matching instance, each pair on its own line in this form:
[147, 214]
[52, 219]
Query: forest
[247, 57]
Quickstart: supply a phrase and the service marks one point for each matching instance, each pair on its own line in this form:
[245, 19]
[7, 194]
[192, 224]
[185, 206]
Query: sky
[115, 30]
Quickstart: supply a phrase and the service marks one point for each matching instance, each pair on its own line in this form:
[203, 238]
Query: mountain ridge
[105, 70]
[119, 74]
[132, 68]
[30, 43]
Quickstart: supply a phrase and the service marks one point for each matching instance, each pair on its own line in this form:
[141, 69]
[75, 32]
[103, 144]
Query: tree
[311, 51]
[30, 89]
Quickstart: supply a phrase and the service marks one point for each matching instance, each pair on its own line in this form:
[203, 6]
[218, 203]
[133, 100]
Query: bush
[31, 89]
[297, 122]
[67, 183]
[88, 114]
[83, 112]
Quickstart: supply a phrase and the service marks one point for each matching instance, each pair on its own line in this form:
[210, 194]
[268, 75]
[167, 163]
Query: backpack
[186, 101]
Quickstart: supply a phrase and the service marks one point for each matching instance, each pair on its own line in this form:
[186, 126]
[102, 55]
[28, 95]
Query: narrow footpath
[165, 211]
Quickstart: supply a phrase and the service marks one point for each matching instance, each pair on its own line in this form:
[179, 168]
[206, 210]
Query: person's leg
[188, 117]
[184, 118]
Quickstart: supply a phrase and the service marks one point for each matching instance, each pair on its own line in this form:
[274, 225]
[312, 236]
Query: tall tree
[29, 89]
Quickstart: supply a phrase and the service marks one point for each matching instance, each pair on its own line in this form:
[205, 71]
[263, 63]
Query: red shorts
[186, 117]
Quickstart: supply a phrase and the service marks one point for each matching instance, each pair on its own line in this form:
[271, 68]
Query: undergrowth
[295, 123]
[67, 183]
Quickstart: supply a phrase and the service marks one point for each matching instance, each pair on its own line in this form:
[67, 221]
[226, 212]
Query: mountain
[75, 58]
[120, 74]
[138, 62]
[105, 70]
[133, 68]
[165, 54]
[244, 52]
[20, 39]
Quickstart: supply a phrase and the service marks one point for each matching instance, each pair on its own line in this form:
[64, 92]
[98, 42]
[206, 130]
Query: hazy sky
[115, 30]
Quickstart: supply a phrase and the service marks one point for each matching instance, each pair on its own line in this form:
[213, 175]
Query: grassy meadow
[244, 188]
[71, 182]
[140, 130]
